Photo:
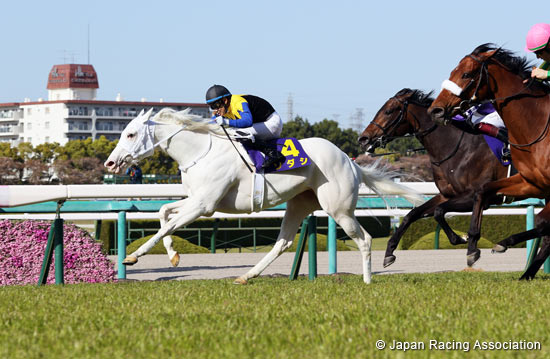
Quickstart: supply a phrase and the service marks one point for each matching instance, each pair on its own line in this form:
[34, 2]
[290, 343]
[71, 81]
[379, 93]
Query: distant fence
[147, 179]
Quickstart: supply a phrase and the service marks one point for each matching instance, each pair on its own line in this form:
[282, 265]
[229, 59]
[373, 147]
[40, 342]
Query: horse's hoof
[130, 261]
[498, 248]
[389, 260]
[527, 276]
[240, 281]
[472, 258]
[175, 260]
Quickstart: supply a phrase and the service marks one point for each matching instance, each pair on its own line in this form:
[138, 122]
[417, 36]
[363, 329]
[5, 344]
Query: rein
[235, 147]
[440, 162]
[386, 130]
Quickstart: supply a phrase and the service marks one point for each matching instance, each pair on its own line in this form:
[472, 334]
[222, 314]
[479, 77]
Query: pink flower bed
[22, 246]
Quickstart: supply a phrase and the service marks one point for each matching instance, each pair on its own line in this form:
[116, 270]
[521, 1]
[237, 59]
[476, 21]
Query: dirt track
[222, 265]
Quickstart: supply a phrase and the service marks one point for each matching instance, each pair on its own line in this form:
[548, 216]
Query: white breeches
[492, 119]
[267, 130]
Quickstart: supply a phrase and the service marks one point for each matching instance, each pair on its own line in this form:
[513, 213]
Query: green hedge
[427, 242]
[377, 227]
[494, 228]
[179, 244]
[321, 244]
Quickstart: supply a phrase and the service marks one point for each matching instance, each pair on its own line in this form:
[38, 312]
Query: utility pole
[357, 120]
[290, 108]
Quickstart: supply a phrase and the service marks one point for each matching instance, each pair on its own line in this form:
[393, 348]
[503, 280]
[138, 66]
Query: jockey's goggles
[216, 104]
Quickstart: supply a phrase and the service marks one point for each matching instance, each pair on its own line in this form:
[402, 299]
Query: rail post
[299, 251]
[312, 247]
[436, 237]
[331, 246]
[121, 237]
[54, 244]
[213, 237]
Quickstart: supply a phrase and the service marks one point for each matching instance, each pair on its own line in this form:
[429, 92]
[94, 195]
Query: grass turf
[331, 317]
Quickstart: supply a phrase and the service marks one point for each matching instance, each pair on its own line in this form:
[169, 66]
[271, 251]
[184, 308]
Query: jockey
[252, 115]
[484, 119]
[537, 41]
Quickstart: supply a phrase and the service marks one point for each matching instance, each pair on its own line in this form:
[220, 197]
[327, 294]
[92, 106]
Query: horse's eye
[388, 112]
[466, 75]
[131, 135]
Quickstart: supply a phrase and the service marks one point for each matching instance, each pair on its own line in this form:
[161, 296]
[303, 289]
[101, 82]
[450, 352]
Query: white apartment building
[73, 112]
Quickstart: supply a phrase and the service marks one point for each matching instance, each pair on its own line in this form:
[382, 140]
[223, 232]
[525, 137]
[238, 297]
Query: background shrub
[493, 228]
[179, 244]
[427, 242]
[22, 247]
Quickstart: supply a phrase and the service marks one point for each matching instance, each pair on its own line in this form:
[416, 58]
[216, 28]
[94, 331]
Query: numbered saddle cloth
[290, 147]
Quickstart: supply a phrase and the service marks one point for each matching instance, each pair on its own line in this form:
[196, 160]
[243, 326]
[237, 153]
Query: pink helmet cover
[537, 37]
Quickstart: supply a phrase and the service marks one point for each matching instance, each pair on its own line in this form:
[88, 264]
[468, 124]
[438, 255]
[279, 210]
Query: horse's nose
[437, 114]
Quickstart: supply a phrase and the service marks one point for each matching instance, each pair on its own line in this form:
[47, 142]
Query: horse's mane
[187, 119]
[516, 64]
[417, 97]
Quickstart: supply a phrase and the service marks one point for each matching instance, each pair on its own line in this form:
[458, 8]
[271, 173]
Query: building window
[47, 125]
[5, 128]
[47, 139]
[78, 111]
[78, 125]
[29, 139]
[29, 126]
[47, 110]
[29, 111]
[104, 126]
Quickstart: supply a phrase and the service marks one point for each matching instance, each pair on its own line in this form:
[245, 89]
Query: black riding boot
[498, 133]
[273, 158]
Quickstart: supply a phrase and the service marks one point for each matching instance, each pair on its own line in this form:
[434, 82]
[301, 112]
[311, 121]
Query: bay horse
[494, 74]
[461, 162]
[216, 179]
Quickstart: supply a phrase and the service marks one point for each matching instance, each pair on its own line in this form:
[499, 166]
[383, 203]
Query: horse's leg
[296, 210]
[538, 261]
[542, 228]
[192, 209]
[423, 211]
[511, 186]
[458, 204]
[360, 236]
[164, 213]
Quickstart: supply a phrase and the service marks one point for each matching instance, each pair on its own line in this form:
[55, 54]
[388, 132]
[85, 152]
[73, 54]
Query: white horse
[216, 179]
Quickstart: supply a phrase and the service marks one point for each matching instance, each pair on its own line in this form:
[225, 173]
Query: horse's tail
[379, 180]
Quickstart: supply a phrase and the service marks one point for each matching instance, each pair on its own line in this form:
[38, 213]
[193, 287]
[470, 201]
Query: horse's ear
[493, 53]
[147, 115]
[141, 113]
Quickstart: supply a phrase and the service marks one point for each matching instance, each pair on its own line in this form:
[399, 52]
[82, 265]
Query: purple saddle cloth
[290, 147]
[495, 145]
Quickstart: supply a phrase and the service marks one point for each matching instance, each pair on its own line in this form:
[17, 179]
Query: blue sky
[332, 56]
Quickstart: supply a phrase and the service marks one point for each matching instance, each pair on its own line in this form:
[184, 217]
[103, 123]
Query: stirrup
[273, 161]
[506, 154]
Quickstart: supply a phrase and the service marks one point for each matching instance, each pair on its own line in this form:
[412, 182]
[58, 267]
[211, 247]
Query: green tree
[298, 128]
[159, 163]
[102, 148]
[346, 139]
[46, 152]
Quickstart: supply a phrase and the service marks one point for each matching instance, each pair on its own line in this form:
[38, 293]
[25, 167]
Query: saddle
[290, 147]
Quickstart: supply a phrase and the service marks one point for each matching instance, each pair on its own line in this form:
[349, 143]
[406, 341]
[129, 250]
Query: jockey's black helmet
[216, 93]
